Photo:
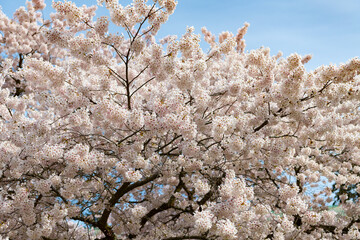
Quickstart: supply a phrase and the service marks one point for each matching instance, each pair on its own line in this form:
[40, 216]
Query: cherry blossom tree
[123, 136]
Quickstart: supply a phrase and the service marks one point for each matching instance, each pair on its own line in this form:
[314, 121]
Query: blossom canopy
[123, 136]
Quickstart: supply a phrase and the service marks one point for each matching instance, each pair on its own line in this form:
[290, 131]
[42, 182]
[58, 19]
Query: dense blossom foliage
[122, 136]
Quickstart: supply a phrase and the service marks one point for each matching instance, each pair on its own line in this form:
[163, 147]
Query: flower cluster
[69, 10]
[203, 220]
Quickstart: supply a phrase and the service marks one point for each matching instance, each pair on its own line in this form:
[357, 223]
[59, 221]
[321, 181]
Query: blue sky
[327, 29]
